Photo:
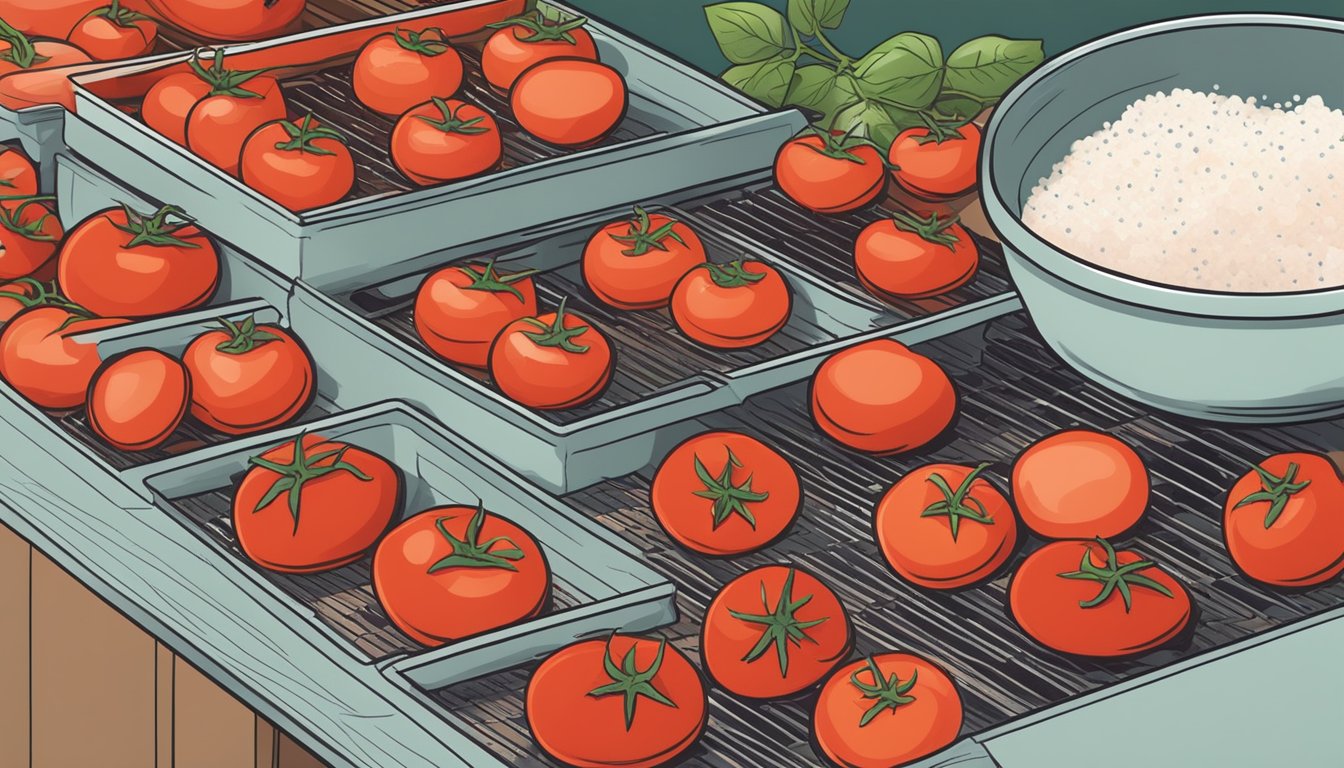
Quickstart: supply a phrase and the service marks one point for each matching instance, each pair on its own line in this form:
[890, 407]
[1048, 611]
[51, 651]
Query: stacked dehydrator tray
[151, 533]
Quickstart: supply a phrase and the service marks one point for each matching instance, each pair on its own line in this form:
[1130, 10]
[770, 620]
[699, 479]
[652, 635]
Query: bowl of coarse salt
[1171, 204]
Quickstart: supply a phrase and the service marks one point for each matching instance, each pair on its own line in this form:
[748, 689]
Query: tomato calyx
[301, 470]
[156, 230]
[931, 229]
[451, 123]
[303, 134]
[21, 52]
[1114, 577]
[13, 219]
[957, 504]
[556, 334]
[629, 681]
[121, 17]
[485, 278]
[243, 337]
[541, 29]
[889, 692]
[839, 147]
[641, 239]
[471, 552]
[728, 499]
[41, 295]
[1275, 490]
[420, 43]
[731, 275]
[782, 626]
[224, 82]
[940, 131]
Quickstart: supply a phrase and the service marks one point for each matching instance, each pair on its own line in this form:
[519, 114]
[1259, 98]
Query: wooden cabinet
[80, 684]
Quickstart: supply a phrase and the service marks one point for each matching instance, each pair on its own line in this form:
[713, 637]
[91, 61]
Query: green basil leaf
[986, 67]
[863, 118]
[809, 16]
[766, 81]
[956, 107]
[747, 32]
[819, 88]
[906, 71]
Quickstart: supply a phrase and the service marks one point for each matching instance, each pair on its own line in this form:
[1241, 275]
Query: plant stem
[800, 47]
[844, 60]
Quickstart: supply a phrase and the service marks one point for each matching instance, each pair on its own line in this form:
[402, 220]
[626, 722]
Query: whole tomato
[114, 32]
[1080, 484]
[404, 68]
[313, 504]
[213, 111]
[248, 378]
[635, 263]
[137, 399]
[554, 361]
[123, 263]
[732, 306]
[43, 363]
[29, 233]
[525, 40]
[459, 310]
[829, 174]
[907, 257]
[301, 165]
[1282, 521]
[936, 161]
[231, 19]
[569, 102]
[444, 141]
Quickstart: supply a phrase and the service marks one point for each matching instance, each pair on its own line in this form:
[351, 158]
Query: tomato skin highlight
[1303, 544]
[881, 398]
[1080, 484]
[299, 179]
[253, 390]
[936, 169]
[894, 263]
[427, 154]
[341, 513]
[578, 729]
[40, 360]
[458, 322]
[457, 601]
[20, 254]
[912, 730]
[727, 641]
[733, 316]
[390, 78]
[231, 19]
[137, 399]
[569, 102]
[690, 520]
[636, 263]
[827, 184]
[508, 53]
[551, 377]
[1048, 606]
[99, 269]
[922, 549]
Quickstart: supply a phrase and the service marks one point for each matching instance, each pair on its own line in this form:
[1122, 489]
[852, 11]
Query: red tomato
[829, 174]
[19, 295]
[43, 363]
[53, 18]
[453, 572]
[774, 631]
[18, 177]
[882, 398]
[232, 19]
[31, 70]
[635, 264]
[459, 310]
[405, 68]
[444, 141]
[1282, 520]
[213, 111]
[114, 32]
[569, 102]
[137, 399]
[885, 710]
[300, 165]
[624, 701]
[944, 526]
[1080, 484]
[129, 264]
[724, 493]
[905, 257]
[248, 378]
[523, 41]
[313, 504]
[732, 306]
[29, 232]
[557, 360]
[1085, 598]
[936, 161]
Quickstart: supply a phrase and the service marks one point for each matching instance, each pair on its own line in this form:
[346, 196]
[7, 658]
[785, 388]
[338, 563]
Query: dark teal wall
[679, 25]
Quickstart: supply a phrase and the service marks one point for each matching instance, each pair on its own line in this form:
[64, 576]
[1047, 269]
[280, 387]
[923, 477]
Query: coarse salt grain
[1241, 197]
